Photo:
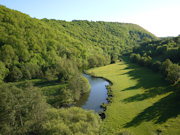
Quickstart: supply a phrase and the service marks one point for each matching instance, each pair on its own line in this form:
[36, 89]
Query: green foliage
[50, 74]
[170, 71]
[71, 121]
[143, 61]
[3, 71]
[66, 97]
[25, 111]
[52, 49]
[65, 69]
[22, 111]
[135, 57]
[78, 85]
[165, 51]
[166, 48]
[147, 61]
[26, 73]
[98, 60]
[15, 74]
[146, 39]
[7, 55]
[173, 73]
[37, 45]
[165, 66]
[114, 58]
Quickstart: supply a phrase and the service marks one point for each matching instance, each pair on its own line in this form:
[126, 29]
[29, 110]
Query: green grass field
[143, 103]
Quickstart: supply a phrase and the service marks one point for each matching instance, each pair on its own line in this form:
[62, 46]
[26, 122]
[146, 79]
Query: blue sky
[160, 17]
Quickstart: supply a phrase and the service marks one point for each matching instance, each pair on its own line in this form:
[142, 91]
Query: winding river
[96, 96]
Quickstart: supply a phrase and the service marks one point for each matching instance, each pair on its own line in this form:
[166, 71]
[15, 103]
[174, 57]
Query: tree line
[161, 56]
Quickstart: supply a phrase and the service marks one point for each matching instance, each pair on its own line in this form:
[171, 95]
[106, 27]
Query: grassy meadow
[143, 103]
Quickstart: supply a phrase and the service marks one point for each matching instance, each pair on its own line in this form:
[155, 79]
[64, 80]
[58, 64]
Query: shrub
[173, 73]
[3, 71]
[15, 74]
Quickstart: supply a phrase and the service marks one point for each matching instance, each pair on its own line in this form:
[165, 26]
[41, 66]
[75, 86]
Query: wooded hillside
[32, 46]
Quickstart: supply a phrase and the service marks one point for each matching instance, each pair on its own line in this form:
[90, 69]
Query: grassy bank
[143, 103]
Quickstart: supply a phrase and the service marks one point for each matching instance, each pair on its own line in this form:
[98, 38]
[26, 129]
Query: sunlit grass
[143, 103]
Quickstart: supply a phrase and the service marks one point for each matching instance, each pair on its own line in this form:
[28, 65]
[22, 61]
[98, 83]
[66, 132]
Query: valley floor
[143, 103]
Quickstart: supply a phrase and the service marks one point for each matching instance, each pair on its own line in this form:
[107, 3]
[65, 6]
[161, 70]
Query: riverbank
[142, 101]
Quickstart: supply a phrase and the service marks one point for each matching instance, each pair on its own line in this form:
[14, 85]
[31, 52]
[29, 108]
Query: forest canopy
[30, 47]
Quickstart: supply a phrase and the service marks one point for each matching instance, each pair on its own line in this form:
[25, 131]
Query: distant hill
[30, 42]
[109, 36]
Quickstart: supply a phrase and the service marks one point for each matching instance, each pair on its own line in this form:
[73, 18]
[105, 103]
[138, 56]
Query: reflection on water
[96, 96]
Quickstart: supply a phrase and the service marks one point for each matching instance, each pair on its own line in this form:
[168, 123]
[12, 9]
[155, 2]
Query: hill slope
[109, 36]
[29, 41]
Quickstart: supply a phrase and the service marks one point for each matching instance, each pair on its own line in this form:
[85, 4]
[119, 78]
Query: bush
[170, 71]
[135, 57]
[15, 74]
[22, 111]
[3, 71]
[78, 85]
[50, 74]
[173, 73]
[164, 67]
[70, 121]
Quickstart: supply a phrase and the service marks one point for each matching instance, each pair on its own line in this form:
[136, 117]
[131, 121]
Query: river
[96, 96]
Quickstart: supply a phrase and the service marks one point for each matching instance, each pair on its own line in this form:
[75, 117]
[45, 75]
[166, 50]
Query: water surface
[96, 96]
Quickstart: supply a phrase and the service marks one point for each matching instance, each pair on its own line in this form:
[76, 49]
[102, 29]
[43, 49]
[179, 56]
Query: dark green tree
[3, 71]
[22, 111]
[72, 121]
[50, 74]
[173, 73]
[7, 55]
[165, 66]
[15, 74]
[78, 85]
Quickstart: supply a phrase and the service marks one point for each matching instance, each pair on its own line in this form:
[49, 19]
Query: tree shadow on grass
[153, 85]
[152, 92]
[159, 112]
[44, 83]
